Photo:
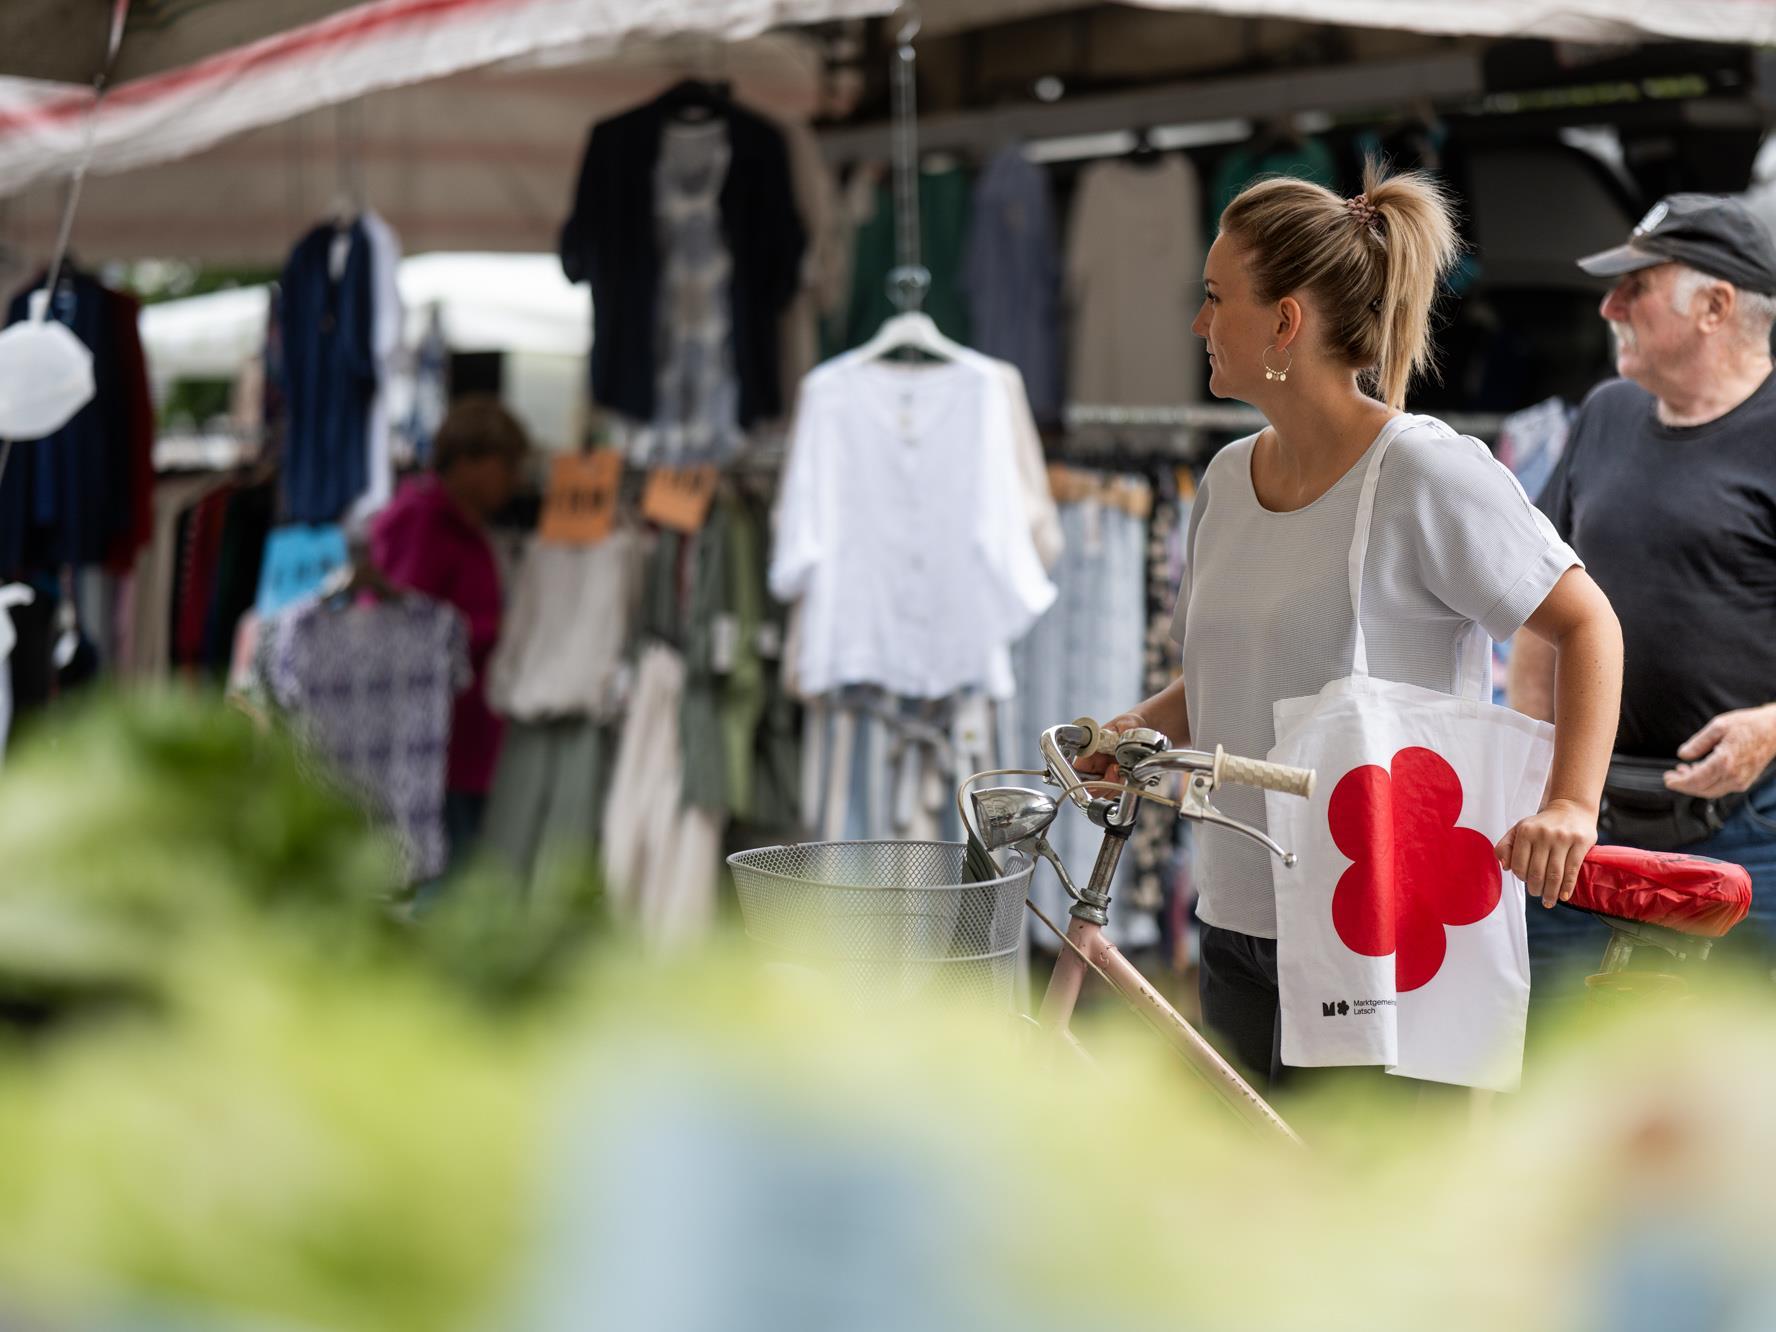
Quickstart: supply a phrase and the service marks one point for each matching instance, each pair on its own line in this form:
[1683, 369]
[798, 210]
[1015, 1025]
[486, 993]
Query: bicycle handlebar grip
[1265, 776]
[1103, 739]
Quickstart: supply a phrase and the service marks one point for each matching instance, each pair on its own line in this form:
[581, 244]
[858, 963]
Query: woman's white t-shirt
[1457, 555]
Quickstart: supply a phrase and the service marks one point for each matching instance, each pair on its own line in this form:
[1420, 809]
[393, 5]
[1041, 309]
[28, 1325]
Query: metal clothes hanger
[912, 330]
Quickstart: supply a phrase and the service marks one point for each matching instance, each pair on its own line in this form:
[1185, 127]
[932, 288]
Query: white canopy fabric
[462, 121]
[205, 337]
[517, 303]
[343, 56]
[1748, 22]
[261, 62]
[64, 40]
[482, 160]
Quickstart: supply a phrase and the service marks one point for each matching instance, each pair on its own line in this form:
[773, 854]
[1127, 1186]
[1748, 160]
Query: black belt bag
[1639, 810]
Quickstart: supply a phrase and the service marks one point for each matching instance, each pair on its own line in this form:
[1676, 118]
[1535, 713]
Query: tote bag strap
[1475, 657]
[1360, 540]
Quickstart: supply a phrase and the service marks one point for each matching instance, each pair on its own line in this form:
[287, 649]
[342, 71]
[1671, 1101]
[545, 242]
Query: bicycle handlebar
[1145, 754]
[1265, 776]
[1221, 766]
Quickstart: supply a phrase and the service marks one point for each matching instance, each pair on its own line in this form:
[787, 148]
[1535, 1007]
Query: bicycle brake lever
[1060, 767]
[1195, 805]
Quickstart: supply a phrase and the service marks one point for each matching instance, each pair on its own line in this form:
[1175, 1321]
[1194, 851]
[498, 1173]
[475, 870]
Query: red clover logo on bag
[1413, 872]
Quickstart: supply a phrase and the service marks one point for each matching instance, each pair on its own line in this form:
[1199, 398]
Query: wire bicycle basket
[891, 922]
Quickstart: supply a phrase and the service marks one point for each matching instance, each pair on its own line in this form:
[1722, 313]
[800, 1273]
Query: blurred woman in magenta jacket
[432, 538]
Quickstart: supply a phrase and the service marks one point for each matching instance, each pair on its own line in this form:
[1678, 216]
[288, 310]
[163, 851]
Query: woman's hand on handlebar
[1102, 767]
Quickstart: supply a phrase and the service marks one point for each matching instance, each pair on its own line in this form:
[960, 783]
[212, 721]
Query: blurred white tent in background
[518, 305]
[486, 302]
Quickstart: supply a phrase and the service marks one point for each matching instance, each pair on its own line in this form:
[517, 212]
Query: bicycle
[1676, 904]
[915, 920]
[1017, 818]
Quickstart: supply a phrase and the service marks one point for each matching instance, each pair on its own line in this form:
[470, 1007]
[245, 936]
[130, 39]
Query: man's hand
[1727, 755]
[1102, 767]
[1546, 849]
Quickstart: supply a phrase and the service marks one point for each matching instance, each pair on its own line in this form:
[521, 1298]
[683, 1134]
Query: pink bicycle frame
[1015, 817]
[1087, 947]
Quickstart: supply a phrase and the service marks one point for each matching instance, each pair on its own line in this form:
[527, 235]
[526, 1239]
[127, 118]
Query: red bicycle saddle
[1689, 894]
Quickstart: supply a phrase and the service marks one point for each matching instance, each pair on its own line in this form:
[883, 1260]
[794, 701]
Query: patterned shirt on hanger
[697, 394]
[373, 686]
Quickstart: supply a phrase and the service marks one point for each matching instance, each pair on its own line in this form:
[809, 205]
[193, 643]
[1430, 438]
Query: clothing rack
[1447, 78]
[218, 447]
[1181, 431]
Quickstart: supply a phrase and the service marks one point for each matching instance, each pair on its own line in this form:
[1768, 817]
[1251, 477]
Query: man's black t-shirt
[1678, 526]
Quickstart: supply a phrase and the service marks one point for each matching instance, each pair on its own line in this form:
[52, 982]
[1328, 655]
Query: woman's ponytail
[1417, 226]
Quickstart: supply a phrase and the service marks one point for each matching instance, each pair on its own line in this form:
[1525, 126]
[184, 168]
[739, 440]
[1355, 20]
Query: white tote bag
[1400, 941]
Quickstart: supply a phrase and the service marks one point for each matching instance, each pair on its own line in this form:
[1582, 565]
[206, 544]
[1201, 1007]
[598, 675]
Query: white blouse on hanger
[904, 530]
[561, 649]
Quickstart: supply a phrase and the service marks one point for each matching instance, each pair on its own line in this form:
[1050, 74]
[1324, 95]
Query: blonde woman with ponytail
[1318, 312]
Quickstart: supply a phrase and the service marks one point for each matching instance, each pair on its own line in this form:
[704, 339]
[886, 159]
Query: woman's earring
[1281, 376]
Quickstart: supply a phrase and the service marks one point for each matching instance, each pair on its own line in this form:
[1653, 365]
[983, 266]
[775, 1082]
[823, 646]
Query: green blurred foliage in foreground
[234, 1079]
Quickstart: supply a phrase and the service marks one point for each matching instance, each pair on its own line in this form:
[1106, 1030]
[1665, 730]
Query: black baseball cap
[1715, 234]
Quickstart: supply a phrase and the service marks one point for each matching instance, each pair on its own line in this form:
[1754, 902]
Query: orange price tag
[679, 497]
[580, 505]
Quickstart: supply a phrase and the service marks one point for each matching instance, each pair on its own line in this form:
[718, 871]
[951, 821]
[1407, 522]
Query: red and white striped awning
[194, 72]
[467, 117]
[246, 71]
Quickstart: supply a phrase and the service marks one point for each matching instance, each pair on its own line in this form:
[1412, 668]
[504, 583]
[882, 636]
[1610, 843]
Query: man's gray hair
[1754, 311]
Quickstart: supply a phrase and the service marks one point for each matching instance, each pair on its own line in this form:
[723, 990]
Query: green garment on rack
[777, 753]
[547, 803]
[658, 617]
[743, 692]
[943, 241]
[700, 734]
[724, 677]
[1310, 160]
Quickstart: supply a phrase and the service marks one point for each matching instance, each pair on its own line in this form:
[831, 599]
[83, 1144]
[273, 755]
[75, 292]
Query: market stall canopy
[462, 121]
[192, 74]
[65, 39]
[1751, 22]
[482, 160]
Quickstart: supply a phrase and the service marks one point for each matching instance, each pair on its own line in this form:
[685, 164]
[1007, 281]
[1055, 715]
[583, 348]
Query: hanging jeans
[877, 767]
[1085, 657]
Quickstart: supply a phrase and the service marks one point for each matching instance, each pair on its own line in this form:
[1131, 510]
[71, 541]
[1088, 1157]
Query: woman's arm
[1546, 850]
[1531, 687]
[1166, 711]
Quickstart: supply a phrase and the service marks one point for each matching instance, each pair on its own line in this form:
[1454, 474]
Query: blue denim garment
[1086, 657]
[1012, 275]
[329, 375]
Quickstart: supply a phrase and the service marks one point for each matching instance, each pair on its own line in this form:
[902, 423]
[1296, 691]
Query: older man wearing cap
[1667, 491]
